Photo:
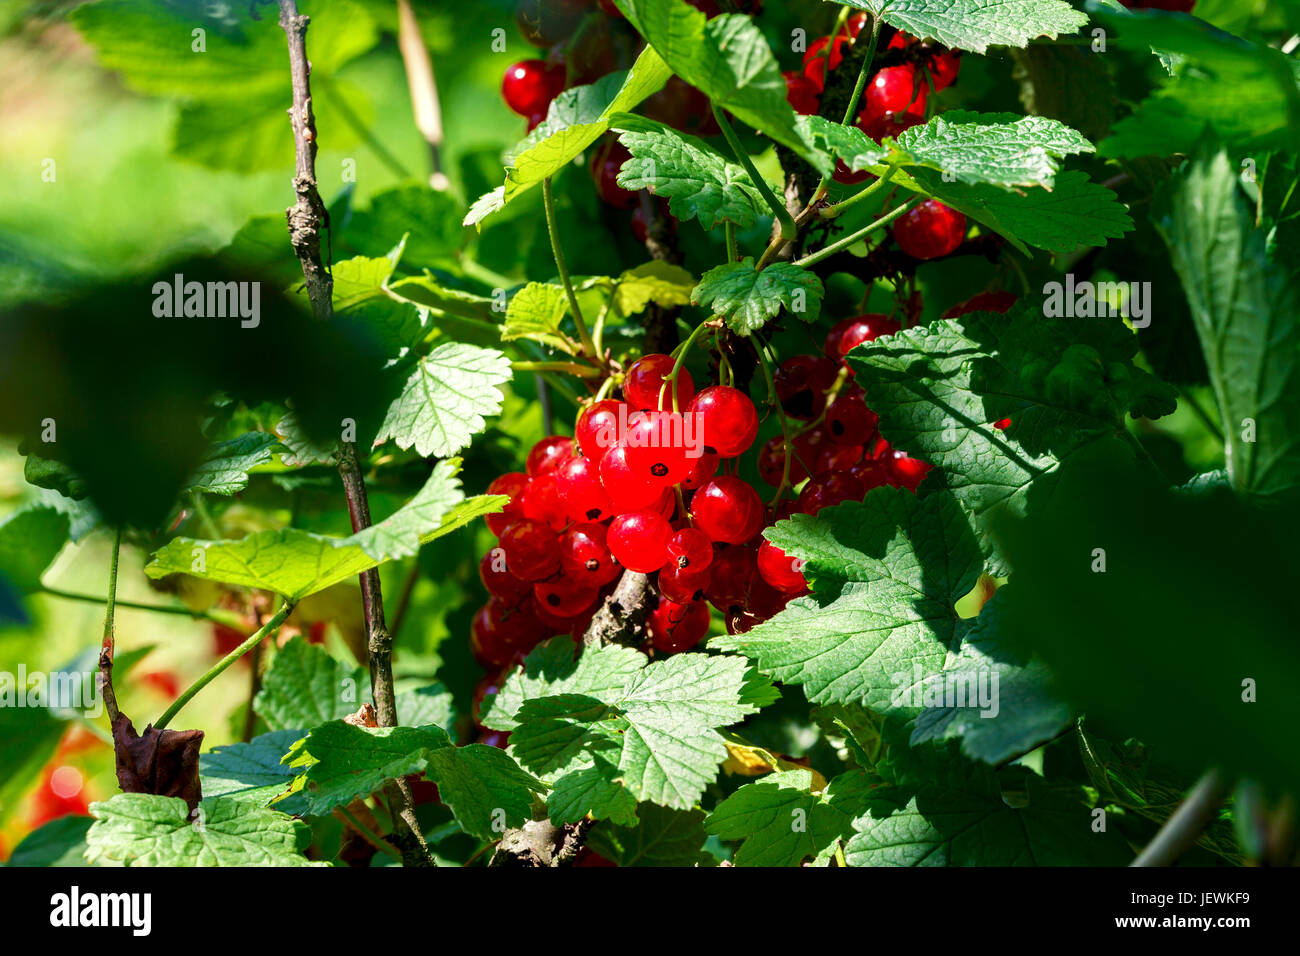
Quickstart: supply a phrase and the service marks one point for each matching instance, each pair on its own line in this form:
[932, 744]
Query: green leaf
[662, 838]
[446, 400]
[425, 216]
[1067, 83]
[727, 58]
[1245, 309]
[950, 824]
[296, 563]
[138, 829]
[30, 539]
[252, 771]
[1066, 384]
[305, 687]
[301, 449]
[886, 575]
[224, 469]
[339, 762]
[976, 24]
[431, 704]
[535, 312]
[592, 790]
[656, 281]
[992, 695]
[1215, 74]
[1075, 212]
[698, 181]
[780, 822]
[747, 298]
[29, 737]
[847, 143]
[576, 119]
[1000, 149]
[61, 842]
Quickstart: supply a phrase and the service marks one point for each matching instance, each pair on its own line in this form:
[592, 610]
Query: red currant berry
[802, 93]
[564, 596]
[656, 450]
[894, 91]
[815, 60]
[829, 489]
[730, 575]
[873, 473]
[581, 492]
[682, 584]
[645, 382]
[691, 549]
[530, 85]
[908, 471]
[489, 685]
[494, 738]
[598, 428]
[854, 24]
[606, 161]
[514, 484]
[944, 68]
[498, 633]
[1002, 424]
[641, 227]
[585, 555]
[639, 540]
[709, 8]
[725, 418]
[848, 177]
[780, 570]
[849, 421]
[880, 128]
[851, 332]
[930, 230]
[499, 582]
[626, 489]
[833, 457]
[704, 468]
[548, 454]
[771, 461]
[678, 627]
[727, 510]
[532, 550]
[801, 384]
[983, 302]
[542, 501]
[682, 107]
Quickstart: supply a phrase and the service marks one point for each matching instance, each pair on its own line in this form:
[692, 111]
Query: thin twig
[108, 644]
[423, 87]
[1181, 831]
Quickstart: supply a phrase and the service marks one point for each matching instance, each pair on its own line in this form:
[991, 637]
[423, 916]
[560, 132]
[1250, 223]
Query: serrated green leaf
[306, 686]
[138, 829]
[302, 449]
[1245, 309]
[61, 842]
[662, 837]
[847, 143]
[446, 400]
[483, 788]
[698, 181]
[976, 24]
[747, 298]
[535, 312]
[253, 771]
[592, 790]
[425, 215]
[422, 706]
[656, 281]
[30, 539]
[224, 469]
[295, 563]
[886, 575]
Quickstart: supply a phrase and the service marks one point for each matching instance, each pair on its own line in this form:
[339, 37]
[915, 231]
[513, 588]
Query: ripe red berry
[771, 461]
[548, 454]
[690, 548]
[499, 582]
[597, 430]
[873, 473]
[639, 540]
[801, 383]
[564, 596]
[890, 125]
[847, 176]
[645, 382]
[489, 685]
[802, 92]
[514, 484]
[833, 457]
[983, 302]
[829, 489]
[893, 91]
[780, 570]
[854, 24]
[682, 107]
[606, 162]
[849, 421]
[704, 468]
[929, 230]
[575, 624]
[725, 418]
[728, 510]
[1002, 424]
[581, 492]
[585, 555]
[908, 471]
[499, 632]
[532, 550]
[626, 489]
[815, 60]
[542, 501]
[944, 68]
[682, 584]
[656, 448]
[730, 575]
[494, 738]
[530, 85]
[851, 332]
[678, 627]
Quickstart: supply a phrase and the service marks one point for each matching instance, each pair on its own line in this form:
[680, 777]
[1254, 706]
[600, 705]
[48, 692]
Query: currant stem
[788, 230]
[851, 238]
[729, 230]
[858, 87]
[220, 666]
[568, 368]
[227, 618]
[108, 645]
[680, 358]
[763, 362]
[552, 229]
[830, 212]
